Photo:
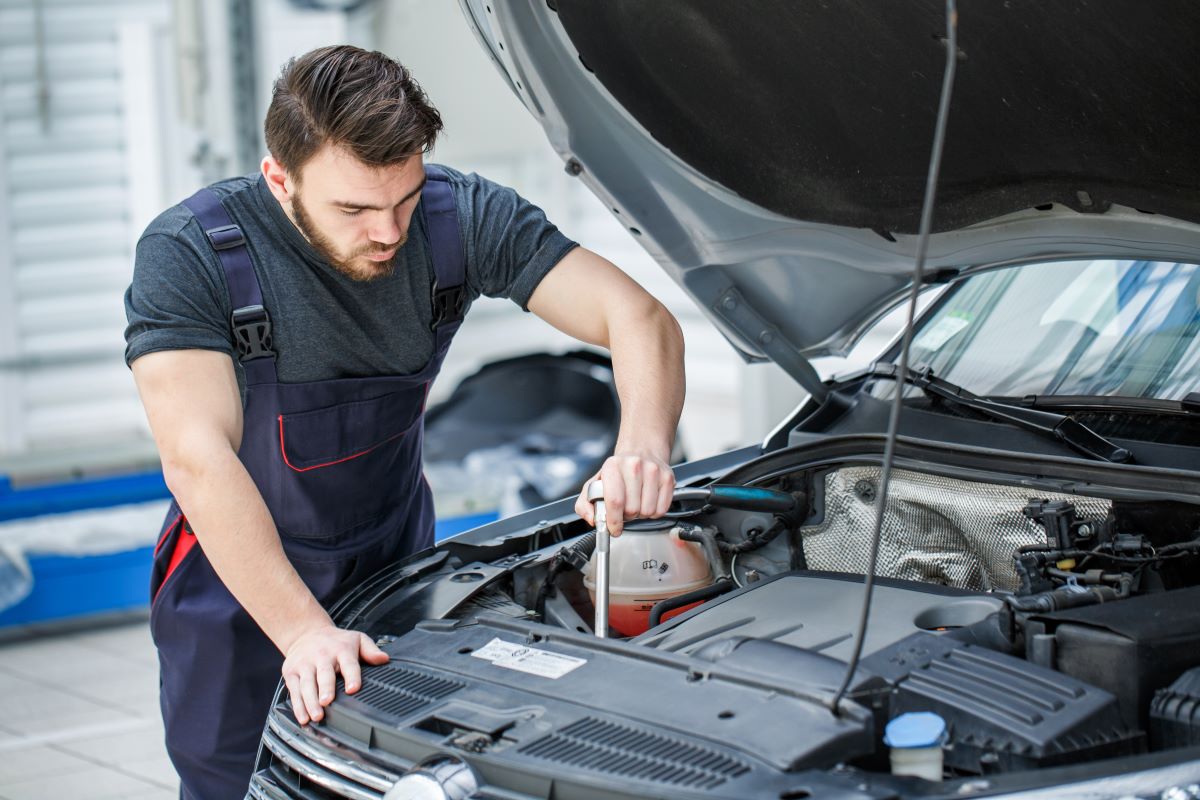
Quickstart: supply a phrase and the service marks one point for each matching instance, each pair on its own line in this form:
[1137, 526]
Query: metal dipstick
[595, 496]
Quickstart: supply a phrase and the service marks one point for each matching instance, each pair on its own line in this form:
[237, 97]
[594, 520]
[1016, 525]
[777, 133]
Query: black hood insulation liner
[824, 111]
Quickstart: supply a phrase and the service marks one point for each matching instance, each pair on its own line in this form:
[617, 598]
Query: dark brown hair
[348, 97]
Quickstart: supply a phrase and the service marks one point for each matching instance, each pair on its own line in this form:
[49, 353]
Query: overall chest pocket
[346, 465]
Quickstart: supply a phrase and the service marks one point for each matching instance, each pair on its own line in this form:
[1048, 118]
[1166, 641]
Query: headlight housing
[1122, 787]
[437, 778]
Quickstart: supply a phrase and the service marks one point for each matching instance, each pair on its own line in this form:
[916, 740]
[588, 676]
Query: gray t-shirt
[326, 325]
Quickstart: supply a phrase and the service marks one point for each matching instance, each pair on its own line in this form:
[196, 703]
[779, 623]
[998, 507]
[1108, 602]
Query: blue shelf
[72, 586]
[80, 495]
[76, 586]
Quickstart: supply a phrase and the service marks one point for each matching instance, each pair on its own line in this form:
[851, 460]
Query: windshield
[1119, 328]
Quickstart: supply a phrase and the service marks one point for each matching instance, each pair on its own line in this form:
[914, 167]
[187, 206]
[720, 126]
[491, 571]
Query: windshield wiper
[1075, 435]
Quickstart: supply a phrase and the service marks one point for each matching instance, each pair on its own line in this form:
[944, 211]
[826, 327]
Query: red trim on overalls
[183, 546]
[283, 451]
[166, 532]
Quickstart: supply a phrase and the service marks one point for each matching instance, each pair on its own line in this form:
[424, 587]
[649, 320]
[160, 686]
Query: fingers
[582, 507]
[666, 492]
[652, 477]
[635, 487]
[614, 495]
[312, 665]
[631, 472]
[369, 651]
[292, 681]
[351, 671]
[309, 698]
[326, 682]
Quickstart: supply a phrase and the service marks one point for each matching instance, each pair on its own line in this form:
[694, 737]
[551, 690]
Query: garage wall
[112, 109]
[81, 144]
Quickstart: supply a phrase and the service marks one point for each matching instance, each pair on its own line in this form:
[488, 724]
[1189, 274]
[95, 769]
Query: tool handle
[751, 498]
[595, 496]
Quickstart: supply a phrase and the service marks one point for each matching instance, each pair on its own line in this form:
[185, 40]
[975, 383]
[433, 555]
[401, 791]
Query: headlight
[1123, 787]
[1191, 792]
[438, 778]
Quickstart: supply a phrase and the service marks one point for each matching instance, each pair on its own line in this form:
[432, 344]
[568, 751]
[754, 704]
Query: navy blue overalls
[339, 465]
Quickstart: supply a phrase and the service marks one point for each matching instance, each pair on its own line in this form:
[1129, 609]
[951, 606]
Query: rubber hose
[722, 586]
[574, 557]
[993, 632]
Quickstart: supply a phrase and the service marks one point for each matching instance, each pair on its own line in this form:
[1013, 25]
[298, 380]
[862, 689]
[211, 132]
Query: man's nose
[385, 229]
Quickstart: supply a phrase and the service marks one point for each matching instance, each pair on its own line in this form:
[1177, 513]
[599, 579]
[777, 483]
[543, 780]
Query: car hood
[771, 156]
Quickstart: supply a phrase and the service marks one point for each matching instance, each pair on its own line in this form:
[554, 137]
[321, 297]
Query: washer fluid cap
[915, 729]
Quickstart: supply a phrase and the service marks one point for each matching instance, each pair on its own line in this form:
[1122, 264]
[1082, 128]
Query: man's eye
[351, 212]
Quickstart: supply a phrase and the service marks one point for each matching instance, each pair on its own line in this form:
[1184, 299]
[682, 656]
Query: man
[283, 332]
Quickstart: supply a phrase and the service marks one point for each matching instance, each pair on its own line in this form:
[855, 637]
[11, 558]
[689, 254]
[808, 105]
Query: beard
[353, 266]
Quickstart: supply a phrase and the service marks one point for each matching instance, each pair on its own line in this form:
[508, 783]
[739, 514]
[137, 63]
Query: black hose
[572, 557]
[707, 539]
[696, 595]
[1062, 599]
[995, 632]
[757, 539]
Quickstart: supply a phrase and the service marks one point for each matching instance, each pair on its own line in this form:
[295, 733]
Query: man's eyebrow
[404, 199]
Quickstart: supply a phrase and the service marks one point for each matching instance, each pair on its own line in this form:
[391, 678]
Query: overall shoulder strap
[445, 243]
[250, 322]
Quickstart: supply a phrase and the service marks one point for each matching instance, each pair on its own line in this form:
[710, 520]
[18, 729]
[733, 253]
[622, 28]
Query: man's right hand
[314, 660]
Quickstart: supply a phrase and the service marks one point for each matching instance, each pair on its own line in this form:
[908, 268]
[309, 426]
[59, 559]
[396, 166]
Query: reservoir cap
[915, 729]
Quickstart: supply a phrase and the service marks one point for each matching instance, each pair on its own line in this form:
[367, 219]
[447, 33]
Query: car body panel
[814, 286]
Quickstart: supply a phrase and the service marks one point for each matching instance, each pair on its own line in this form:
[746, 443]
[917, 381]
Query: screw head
[865, 490]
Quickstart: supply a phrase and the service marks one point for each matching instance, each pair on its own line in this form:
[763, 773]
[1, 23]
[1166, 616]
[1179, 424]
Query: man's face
[354, 215]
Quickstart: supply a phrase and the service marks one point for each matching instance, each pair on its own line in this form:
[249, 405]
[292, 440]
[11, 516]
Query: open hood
[771, 155]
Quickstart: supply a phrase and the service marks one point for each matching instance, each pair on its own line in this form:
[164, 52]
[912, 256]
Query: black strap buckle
[252, 332]
[449, 304]
[225, 237]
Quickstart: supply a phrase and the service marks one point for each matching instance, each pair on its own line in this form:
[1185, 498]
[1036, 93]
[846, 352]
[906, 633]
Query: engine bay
[1045, 627]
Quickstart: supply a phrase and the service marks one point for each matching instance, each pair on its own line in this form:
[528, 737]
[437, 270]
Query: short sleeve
[511, 244]
[176, 300]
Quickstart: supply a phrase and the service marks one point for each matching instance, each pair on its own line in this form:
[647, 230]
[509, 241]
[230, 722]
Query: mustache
[376, 247]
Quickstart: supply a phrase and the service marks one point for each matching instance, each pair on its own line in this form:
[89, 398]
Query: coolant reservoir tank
[648, 562]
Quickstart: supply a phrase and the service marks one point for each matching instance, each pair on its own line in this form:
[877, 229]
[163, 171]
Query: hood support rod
[733, 309]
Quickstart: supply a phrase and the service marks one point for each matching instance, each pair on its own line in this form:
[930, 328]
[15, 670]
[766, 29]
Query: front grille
[307, 765]
[628, 752]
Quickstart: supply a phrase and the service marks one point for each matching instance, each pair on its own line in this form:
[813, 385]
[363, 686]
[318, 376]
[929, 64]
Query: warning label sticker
[510, 655]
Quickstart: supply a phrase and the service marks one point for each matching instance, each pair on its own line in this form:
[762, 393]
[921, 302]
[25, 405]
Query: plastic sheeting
[499, 478]
[82, 533]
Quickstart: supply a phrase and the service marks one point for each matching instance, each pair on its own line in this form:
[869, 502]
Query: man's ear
[278, 180]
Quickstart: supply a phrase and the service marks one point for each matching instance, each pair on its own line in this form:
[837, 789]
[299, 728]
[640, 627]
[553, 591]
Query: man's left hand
[636, 486]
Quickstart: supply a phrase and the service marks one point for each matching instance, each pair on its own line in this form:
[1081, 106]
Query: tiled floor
[79, 716]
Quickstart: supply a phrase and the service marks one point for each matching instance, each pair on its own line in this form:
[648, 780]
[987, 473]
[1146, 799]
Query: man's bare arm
[195, 413]
[589, 298]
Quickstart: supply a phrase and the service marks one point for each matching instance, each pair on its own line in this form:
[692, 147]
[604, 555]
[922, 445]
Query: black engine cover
[536, 701]
[1003, 713]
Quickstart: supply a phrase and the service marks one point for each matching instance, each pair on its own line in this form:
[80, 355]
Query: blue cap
[915, 729]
